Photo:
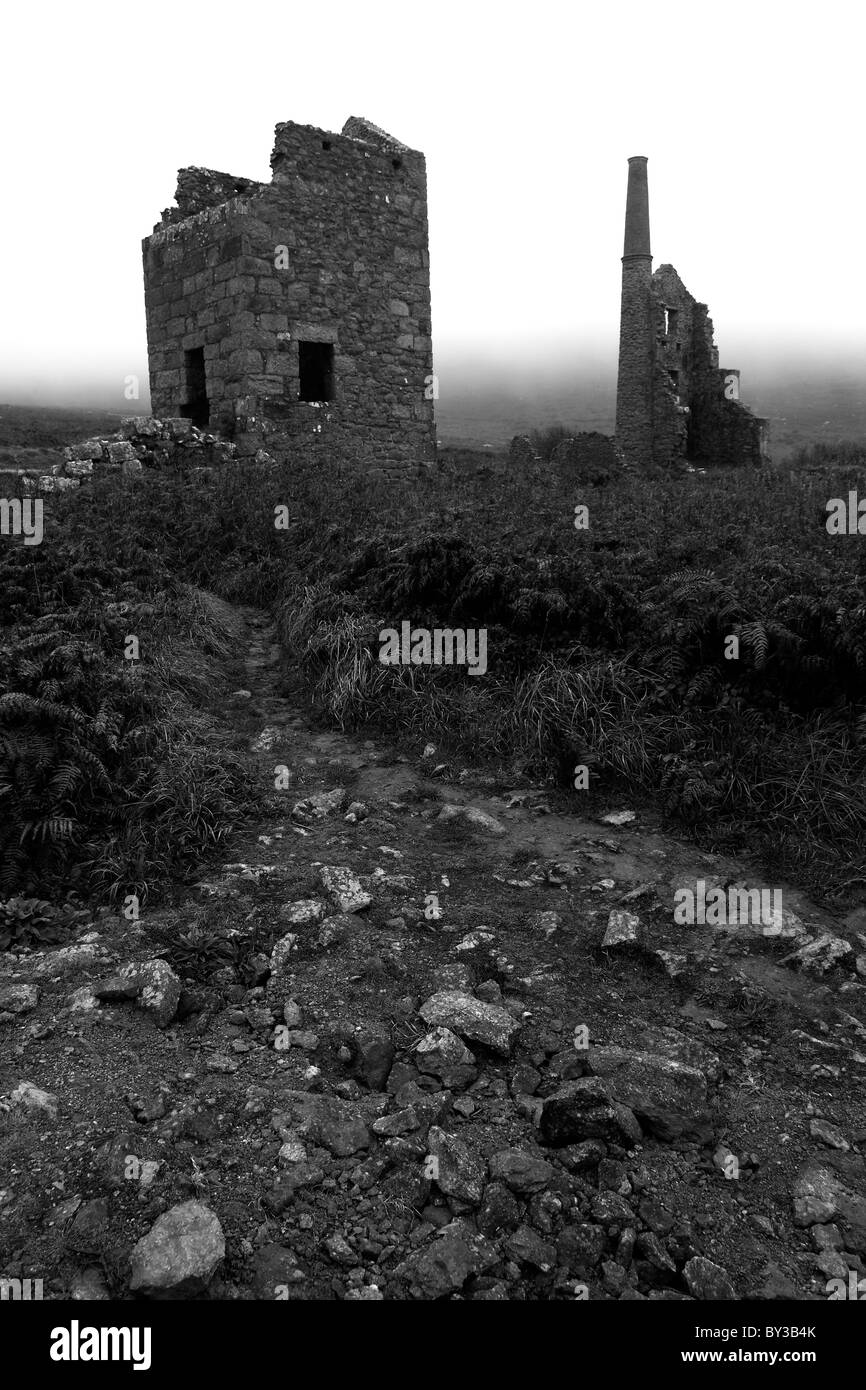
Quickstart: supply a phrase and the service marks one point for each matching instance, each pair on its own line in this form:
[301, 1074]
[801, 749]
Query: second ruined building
[674, 402]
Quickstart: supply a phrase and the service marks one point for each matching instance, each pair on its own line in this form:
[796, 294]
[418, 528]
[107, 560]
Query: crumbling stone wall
[587, 457]
[201, 189]
[697, 412]
[522, 452]
[328, 264]
[141, 443]
[673, 319]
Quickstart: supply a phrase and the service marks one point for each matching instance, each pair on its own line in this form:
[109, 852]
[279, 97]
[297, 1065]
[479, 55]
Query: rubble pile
[141, 443]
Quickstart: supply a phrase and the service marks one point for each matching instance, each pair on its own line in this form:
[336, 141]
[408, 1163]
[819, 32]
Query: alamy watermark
[734, 907]
[421, 646]
[22, 517]
[855, 1289]
[18, 1290]
[846, 517]
[77, 1343]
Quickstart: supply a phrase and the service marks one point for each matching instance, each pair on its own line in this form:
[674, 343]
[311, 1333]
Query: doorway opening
[197, 407]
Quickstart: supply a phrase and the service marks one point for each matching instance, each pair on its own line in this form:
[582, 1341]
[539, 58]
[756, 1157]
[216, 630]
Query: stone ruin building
[296, 313]
[673, 400]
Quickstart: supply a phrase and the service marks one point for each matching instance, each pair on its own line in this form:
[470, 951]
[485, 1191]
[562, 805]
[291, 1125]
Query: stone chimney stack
[637, 231]
[634, 393]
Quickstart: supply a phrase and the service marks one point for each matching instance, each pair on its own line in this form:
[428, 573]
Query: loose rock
[306, 912]
[472, 816]
[180, 1253]
[458, 1173]
[668, 1096]
[706, 1280]
[527, 1247]
[441, 1053]
[373, 1055]
[488, 1024]
[624, 931]
[585, 1109]
[18, 999]
[152, 984]
[344, 888]
[317, 807]
[32, 1099]
[522, 1172]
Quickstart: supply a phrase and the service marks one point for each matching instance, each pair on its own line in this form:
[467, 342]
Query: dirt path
[384, 1053]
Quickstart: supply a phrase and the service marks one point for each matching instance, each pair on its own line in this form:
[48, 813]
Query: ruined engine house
[674, 402]
[297, 312]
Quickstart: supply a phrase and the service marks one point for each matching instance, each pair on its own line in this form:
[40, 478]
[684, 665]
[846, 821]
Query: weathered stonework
[299, 310]
[634, 390]
[674, 403]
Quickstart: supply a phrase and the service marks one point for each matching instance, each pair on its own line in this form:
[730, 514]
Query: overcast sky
[751, 115]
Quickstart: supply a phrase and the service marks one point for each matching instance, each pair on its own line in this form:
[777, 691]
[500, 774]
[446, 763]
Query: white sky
[751, 115]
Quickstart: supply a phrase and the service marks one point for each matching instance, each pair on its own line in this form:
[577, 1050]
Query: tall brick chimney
[634, 387]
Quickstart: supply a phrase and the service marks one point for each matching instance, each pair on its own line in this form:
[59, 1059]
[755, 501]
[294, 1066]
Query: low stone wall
[315, 440]
[522, 452]
[141, 443]
[587, 458]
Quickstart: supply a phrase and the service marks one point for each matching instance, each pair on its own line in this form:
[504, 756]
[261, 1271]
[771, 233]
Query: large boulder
[442, 1054]
[667, 1095]
[457, 1172]
[585, 1109]
[471, 1018]
[373, 1054]
[180, 1254]
[151, 984]
[332, 1123]
[821, 954]
[443, 1266]
[833, 1189]
[522, 1172]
